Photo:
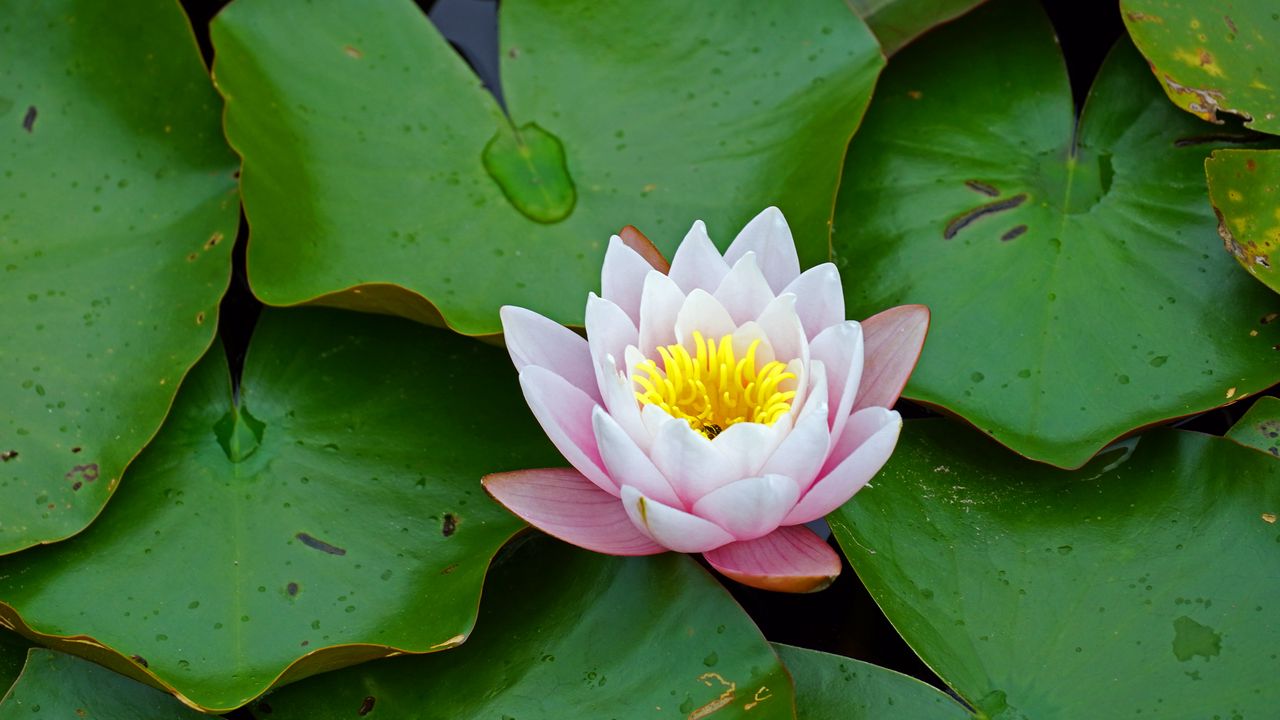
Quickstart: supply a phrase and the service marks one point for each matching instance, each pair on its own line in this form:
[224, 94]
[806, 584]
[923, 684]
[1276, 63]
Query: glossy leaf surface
[333, 515]
[1213, 56]
[566, 633]
[1260, 429]
[898, 22]
[369, 145]
[1140, 583]
[115, 242]
[57, 685]
[1074, 275]
[1244, 187]
[831, 687]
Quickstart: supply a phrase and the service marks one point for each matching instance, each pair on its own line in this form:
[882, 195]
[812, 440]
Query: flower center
[712, 389]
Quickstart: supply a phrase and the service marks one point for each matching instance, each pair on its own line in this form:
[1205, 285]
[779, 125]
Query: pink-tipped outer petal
[535, 340]
[626, 463]
[564, 504]
[622, 277]
[672, 528]
[841, 350]
[564, 412]
[697, 262]
[744, 292]
[749, 508]
[872, 434]
[819, 298]
[893, 340]
[790, 559]
[769, 237]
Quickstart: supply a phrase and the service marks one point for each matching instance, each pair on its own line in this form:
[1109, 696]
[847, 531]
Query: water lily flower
[715, 408]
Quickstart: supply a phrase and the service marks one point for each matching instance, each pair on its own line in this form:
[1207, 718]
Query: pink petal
[867, 442]
[819, 299]
[564, 412]
[802, 453]
[894, 339]
[626, 463]
[688, 460]
[701, 312]
[749, 508]
[697, 263]
[789, 559]
[620, 401]
[564, 504]
[673, 529]
[609, 332]
[840, 350]
[744, 292]
[535, 340]
[660, 303]
[622, 277]
[768, 236]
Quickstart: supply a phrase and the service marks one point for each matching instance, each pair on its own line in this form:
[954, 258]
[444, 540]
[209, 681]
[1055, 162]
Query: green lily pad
[1244, 187]
[1073, 274]
[565, 633]
[898, 22]
[1141, 583]
[830, 687]
[369, 145]
[1260, 429]
[1213, 56]
[57, 685]
[331, 515]
[115, 247]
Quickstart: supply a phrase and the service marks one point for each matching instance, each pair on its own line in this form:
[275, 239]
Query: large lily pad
[1073, 272]
[57, 685]
[565, 633]
[331, 515]
[374, 158]
[898, 22]
[830, 687]
[1142, 583]
[115, 242]
[1213, 56]
[1244, 187]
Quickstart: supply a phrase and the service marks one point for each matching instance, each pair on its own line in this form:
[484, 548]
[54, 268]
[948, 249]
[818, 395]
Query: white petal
[620, 401]
[781, 323]
[703, 313]
[622, 277]
[749, 508]
[867, 442]
[659, 306]
[748, 333]
[768, 236]
[746, 446]
[564, 412]
[744, 292]
[802, 452]
[840, 349]
[626, 463]
[819, 298]
[535, 340]
[672, 528]
[609, 332]
[686, 457]
[697, 263]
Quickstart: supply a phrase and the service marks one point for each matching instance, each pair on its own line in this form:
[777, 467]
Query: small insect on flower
[715, 408]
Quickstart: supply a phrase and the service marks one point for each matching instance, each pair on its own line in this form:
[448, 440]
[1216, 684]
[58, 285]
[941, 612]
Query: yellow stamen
[712, 389]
